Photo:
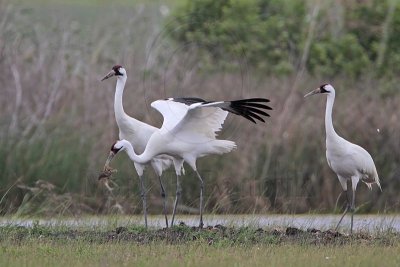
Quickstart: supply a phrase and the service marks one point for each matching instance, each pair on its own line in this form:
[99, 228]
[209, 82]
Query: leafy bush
[271, 35]
[333, 57]
[257, 30]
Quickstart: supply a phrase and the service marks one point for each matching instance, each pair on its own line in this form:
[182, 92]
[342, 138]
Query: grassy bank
[185, 246]
[125, 254]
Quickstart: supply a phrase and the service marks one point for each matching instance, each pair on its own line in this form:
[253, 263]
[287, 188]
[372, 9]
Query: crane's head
[117, 70]
[325, 88]
[118, 146]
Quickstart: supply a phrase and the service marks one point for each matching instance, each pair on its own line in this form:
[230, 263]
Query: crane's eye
[323, 90]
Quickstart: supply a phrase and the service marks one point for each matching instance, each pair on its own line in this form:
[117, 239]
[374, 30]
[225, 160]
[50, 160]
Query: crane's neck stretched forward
[330, 131]
[143, 158]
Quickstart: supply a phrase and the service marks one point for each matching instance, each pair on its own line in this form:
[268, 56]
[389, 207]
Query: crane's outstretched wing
[250, 108]
[203, 119]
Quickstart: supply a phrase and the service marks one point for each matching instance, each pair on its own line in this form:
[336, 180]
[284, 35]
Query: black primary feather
[250, 108]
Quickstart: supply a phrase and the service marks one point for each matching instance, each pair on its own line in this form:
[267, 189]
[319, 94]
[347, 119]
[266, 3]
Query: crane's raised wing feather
[172, 112]
[250, 108]
[190, 122]
[205, 118]
[174, 109]
[200, 123]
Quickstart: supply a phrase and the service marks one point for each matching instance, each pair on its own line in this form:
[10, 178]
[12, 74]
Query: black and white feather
[251, 108]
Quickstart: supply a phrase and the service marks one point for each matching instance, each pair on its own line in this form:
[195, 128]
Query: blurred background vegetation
[57, 121]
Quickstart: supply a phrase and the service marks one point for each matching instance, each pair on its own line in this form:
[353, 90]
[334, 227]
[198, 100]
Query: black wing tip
[253, 102]
[251, 108]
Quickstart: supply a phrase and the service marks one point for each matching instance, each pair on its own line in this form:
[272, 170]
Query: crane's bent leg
[143, 196]
[343, 183]
[354, 182]
[201, 199]
[163, 195]
[177, 198]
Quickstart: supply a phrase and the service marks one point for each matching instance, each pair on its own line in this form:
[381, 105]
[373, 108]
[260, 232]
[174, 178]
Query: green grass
[80, 253]
[186, 246]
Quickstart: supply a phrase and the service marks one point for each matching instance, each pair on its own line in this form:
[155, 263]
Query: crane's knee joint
[163, 194]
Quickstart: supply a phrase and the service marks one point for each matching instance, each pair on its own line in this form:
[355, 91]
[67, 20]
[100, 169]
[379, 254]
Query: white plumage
[349, 161]
[139, 133]
[189, 130]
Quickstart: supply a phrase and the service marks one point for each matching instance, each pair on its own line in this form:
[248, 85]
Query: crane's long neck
[124, 121]
[143, 158]
[330, 131]
[119, 91]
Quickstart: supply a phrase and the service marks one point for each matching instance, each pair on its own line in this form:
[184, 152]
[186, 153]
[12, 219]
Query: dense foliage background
[57, 121]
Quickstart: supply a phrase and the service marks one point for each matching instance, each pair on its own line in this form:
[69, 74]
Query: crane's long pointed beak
[109, 159]
[110, 74]
[107, 170]
[313, 92]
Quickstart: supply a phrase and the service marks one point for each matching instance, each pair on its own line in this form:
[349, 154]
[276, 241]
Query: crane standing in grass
[350, 162]
[189, 131]
[138, 133]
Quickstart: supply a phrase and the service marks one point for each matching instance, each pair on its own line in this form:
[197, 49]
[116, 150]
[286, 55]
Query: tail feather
[375, 180]
[223, 146]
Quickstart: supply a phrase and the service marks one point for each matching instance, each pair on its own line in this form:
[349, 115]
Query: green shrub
[271, 34]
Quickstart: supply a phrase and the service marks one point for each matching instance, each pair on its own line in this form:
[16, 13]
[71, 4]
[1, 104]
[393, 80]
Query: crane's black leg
[354, 181]
[352, 209]
[143, 196]
[345, 211]
[177, 198]
[163, 195]
[201, 199]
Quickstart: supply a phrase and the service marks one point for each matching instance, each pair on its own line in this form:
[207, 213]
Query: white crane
[189, 131]
[350, 162]
[138, 133]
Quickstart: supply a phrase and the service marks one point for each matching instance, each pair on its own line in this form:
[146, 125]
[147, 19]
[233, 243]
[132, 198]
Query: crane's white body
[138, 133]
[188, 132]
[349, 161]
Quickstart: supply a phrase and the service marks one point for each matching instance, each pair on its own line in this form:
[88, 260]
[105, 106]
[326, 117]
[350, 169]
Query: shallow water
[370, 223]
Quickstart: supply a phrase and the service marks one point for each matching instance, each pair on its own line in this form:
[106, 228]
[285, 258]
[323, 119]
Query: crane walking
[349, 161]
[189, 131]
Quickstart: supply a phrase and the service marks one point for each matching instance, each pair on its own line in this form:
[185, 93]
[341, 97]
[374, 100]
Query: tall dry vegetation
[57, 119]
